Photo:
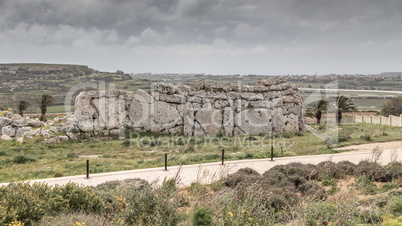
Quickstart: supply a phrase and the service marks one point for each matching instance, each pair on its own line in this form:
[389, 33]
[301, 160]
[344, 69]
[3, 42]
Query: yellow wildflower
[230, 214]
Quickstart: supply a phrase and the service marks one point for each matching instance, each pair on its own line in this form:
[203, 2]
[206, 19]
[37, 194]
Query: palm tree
[343, 104]
[22, 106]
[318, 108]
[46, 100]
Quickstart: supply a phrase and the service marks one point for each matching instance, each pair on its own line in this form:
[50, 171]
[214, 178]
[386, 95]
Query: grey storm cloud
[212, 36]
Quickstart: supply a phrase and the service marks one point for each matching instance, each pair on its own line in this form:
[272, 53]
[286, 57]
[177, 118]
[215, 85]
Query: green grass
[148, 151]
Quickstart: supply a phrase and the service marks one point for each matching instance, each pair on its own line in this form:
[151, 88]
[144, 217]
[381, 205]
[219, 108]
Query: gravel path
[209, 172]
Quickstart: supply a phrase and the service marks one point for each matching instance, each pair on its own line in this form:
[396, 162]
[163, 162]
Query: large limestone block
[210, 119]
[228, 121]
[288, 99]
[252, 96]
[291, 123]
[36, 122]
[8, 130]
[175, 98]
[84, 112]
[165, 116]
[240, 105]
[19, 122]
[86, 126]
[166, 88]
[216, 96]
[140, 110]
[277, 121]
[188, 119]
[261, 104]
[254, 121]
[198, 130]
[220, 104]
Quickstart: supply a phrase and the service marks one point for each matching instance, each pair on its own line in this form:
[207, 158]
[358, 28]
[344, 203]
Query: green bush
[202, 216]
[243, 205]
[3, 153]
[329, 213]
[126, 143]
[29, 203]
[395, 206]
[366, 184]
[152, 206]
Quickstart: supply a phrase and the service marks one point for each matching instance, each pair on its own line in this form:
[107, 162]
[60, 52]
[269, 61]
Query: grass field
[32, 159]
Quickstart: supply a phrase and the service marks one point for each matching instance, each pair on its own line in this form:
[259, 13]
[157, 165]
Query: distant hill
[29, 81]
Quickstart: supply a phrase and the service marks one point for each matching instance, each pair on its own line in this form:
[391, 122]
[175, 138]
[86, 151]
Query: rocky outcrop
[271, 106]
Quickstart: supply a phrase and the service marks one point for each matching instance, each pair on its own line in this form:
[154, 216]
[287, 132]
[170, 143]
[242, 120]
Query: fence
[391, 120]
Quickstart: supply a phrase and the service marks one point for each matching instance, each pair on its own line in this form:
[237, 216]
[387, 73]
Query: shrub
[29, 203]
[126, 143]
[22, 159]
[345, 168]
[392, 107]
[395, 206]
[58, 174]
[151, 206]
[312, 190]
[373, 171]
[76, 197]
[394, 170]
[71, 155]
[243, 205]
[244, 175]
[202, 216]
[169, 185]
[365, 183]
[3, 153]
[328, 213]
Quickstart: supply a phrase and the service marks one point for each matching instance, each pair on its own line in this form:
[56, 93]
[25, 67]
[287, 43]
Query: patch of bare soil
[368, 147]
[89, 156]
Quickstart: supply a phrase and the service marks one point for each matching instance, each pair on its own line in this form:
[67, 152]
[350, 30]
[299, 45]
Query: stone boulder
[4, 122]
[21, 131]
[5, 137]
[8, 130]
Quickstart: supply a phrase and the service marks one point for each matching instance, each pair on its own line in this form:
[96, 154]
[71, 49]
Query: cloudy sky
[206, 36]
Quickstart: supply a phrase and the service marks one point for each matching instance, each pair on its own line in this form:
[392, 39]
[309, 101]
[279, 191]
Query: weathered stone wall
[271, 106]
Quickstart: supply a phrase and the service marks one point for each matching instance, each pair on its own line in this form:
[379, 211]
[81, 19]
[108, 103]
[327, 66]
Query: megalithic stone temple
[271, 106]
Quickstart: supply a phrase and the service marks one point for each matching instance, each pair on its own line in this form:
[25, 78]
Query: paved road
[206, 173]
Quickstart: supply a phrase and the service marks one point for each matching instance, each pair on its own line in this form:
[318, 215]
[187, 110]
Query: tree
[22, 106]
[46, 100]
[392, 107]
[318, 108]
[343, 104]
